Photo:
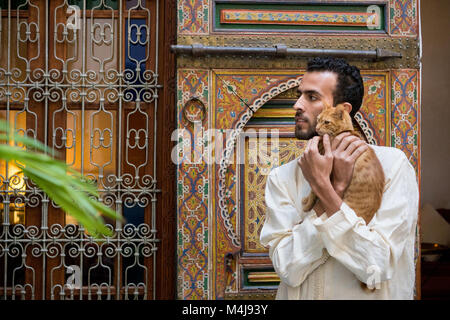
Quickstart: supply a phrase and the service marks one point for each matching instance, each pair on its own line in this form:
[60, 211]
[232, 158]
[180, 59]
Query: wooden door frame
[166, 218]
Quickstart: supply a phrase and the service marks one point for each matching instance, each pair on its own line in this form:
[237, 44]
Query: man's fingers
[346, 141]
[337, 140]
[327, 145]
[314, 144]
[311, 146]
[306, 151]
[353, 146]
[300, 161]
[358, 151]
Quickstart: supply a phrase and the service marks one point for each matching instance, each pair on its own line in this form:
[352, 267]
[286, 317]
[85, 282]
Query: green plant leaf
[68, 188]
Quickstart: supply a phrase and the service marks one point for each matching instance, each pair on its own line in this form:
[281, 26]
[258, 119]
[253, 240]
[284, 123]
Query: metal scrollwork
[96, 78]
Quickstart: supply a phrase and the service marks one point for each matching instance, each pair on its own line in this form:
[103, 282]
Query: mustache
[299, 116]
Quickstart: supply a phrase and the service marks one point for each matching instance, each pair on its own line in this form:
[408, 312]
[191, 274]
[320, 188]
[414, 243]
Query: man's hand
[317, 168]
[346, 149]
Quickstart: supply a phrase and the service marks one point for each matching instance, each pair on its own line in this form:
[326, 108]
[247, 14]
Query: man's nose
[299, 105]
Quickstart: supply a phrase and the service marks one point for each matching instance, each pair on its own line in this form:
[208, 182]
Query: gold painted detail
[296, 17]
[263, 277]
[275, 113]
[291, 94]
[257, 167]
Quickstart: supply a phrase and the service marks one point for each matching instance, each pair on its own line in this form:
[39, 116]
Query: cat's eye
[326, 122]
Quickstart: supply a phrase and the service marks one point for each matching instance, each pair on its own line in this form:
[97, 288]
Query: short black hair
[349, 87]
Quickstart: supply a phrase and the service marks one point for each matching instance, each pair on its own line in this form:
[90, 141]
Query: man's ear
[346, 106]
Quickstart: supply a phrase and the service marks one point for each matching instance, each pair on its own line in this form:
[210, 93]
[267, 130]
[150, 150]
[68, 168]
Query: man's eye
[312, 98]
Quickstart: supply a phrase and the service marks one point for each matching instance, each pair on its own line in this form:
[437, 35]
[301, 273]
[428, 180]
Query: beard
[308, 133]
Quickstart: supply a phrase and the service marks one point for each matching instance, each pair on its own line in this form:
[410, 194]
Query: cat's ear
[326, 105]
[340, 109]
[338, 113]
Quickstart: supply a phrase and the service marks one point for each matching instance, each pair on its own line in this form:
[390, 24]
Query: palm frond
[65, 186]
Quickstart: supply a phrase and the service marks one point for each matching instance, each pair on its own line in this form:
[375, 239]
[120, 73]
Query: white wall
[435, 186]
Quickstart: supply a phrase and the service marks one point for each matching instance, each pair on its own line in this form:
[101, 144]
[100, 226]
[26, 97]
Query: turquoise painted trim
[218, 26]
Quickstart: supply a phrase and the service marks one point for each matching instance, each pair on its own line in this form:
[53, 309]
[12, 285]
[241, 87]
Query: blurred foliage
[70, 190]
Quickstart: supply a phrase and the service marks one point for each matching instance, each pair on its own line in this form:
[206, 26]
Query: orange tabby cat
[365, 191]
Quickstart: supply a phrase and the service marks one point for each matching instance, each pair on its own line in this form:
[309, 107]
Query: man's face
[316, 89]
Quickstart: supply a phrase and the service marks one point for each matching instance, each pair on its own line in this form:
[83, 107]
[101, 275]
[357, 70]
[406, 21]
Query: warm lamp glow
[17, 182]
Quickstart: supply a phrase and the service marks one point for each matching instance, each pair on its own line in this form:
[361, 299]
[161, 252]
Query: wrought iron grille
[82, 76]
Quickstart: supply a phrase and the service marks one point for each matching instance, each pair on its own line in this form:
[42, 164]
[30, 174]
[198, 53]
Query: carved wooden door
[239, 63]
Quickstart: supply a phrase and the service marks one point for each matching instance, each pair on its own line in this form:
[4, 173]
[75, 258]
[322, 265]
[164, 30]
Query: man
[328, 252]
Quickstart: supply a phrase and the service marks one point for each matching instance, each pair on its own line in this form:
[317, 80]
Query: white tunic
[326, 258]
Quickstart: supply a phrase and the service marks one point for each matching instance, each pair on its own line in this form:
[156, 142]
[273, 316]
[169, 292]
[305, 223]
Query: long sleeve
[379, 245]
[295, 246]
